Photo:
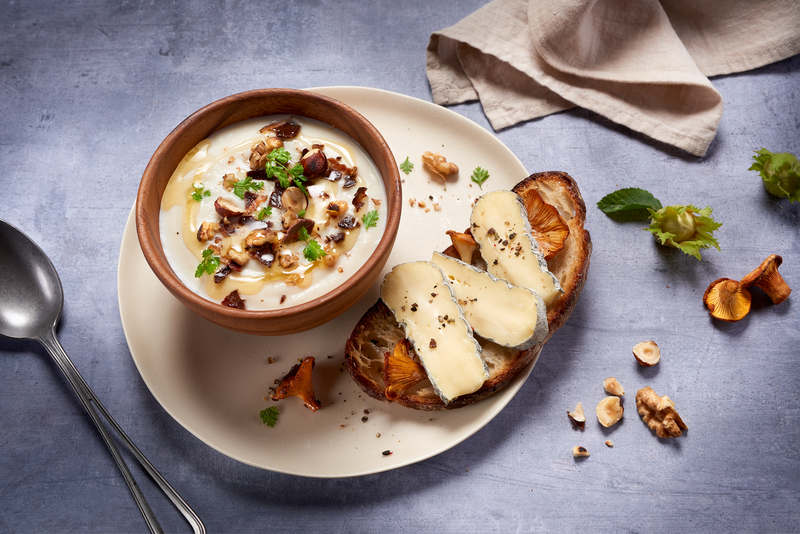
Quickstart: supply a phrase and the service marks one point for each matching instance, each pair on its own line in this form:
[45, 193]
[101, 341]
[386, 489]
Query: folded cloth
[640, 63]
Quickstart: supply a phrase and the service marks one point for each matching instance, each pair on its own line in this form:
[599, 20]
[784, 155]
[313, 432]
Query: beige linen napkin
[641, 63]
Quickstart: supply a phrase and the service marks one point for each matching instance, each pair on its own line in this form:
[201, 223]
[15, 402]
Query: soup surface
[272, 212]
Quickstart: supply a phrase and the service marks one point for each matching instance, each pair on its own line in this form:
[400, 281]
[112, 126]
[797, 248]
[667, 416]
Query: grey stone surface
[89, 88]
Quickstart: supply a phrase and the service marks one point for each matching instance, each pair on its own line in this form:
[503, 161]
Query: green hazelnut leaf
[629, 204]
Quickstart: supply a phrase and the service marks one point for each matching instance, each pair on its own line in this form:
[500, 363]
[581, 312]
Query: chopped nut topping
[336, 209]
[314, 162]
[288, 261]
[206, 231]
[609, 443]
[226, 209]
[237, 256]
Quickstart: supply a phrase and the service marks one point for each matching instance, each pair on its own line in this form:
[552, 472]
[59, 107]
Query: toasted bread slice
[377, 332]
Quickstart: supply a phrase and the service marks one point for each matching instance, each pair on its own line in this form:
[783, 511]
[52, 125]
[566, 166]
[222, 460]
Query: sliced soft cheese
[499, 224]
[511, 316]
[426, 308]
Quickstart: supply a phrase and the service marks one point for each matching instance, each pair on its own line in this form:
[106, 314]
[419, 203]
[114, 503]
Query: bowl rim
[152, 248]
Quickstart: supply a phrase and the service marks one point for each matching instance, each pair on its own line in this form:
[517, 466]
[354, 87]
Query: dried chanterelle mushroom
[577, 417]
[400, 371]
[727, 300]
[647, 353]
[439, 165]
[613, 387]
[548, 228]
[464, 244]
[767, 277]
[659, 413]
[579, 451]
[297, 383]
[609, 411]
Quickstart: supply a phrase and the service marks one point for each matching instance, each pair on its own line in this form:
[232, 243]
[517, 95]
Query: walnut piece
[206, 231]
[613, 387]
[237, 256]
[659, 413]
[439, 165]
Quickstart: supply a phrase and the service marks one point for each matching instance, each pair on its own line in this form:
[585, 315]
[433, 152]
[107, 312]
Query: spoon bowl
[31, 300]
[31, 297]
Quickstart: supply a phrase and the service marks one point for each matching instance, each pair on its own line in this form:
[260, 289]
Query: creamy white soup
[272, 212]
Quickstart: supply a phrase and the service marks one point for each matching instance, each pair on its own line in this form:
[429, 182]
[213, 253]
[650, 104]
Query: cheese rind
[509, 315]
[425, 307]
[499, 224]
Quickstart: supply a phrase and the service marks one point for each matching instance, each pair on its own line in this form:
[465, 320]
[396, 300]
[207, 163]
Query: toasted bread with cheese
[377, 332]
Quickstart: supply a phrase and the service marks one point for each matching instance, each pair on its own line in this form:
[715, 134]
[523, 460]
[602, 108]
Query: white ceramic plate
[214, 381]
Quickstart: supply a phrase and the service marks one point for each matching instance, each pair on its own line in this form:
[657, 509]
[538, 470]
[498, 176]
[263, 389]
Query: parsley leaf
[302, 234]
[276, 168]
[370, 219]
[247, 184]
[199, 192]
[280, 155]
[406, 166]
[208, 265]
[630, 204]
[269, 416]
[314, 251]
[479, 176]
[264, 213]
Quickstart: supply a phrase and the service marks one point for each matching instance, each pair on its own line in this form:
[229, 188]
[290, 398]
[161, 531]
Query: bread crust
[377, 331]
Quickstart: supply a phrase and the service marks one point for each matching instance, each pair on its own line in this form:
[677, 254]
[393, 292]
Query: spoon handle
[89, 401]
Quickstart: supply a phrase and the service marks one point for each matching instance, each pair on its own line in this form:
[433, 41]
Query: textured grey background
[89, 88]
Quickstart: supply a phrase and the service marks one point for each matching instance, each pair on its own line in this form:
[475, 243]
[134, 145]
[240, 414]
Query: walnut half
[439, 165]
[659, 413]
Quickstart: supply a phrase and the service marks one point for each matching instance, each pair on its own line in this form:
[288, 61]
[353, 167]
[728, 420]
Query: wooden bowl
[233, 109]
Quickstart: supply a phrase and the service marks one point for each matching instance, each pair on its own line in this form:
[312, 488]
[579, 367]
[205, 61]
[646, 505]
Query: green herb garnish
[630, 204]
[264, 213]
[407, 166]
[247, 184]
[314, 251]
[269, 416]
[370, 219]
[479, 176]
[302, 234]
[208, 265]
[276, 168]
[199, 192]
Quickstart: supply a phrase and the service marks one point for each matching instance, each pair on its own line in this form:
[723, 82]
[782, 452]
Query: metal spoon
[31, 300]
